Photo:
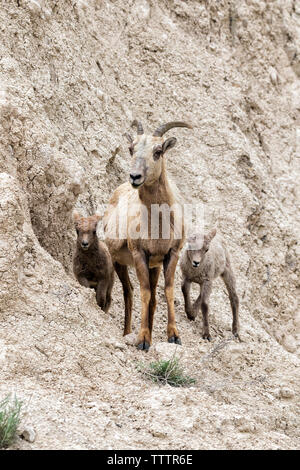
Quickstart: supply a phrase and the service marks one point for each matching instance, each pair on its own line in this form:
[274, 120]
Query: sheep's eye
[130, 150]
[94, 232]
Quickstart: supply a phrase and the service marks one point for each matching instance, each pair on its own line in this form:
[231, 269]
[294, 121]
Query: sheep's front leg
[142, 271]
[197, 304]
[83, 281]
[186, 287]
[170, 263]
[205, 293]
[153, 277]
[101, 293]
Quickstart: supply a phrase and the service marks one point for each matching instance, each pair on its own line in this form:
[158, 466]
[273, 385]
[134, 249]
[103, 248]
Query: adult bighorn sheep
[131, 206]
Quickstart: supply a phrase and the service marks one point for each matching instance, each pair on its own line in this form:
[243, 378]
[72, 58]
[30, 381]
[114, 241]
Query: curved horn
[159, 132]
[139, 127]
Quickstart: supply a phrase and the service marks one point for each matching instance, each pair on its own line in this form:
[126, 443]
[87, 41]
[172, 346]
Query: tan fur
[147, 255]
[93, 266]
[212, 257]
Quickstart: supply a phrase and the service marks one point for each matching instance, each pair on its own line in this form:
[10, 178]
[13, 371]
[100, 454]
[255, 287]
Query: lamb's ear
[76, 216]
[128, 137]
[98, 217]
[211, 235]
[168, 144]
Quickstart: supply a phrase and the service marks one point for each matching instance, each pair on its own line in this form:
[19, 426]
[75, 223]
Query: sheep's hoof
[144, 346]
[237, 336]
[206, 336]
[190, 317]
[174, 339]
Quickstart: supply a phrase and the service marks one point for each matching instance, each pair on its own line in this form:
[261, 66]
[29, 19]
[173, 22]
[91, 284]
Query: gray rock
[28, 433]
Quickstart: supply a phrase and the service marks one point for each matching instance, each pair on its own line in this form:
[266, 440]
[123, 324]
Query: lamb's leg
[108, 300]
[142, 271]
[170, 262]
[83, 281]
[205, 293]
[229, 280]
[101, 294]
[186, 287]
[153, 277]
[108, 291]
[197, 304]
[122, 272]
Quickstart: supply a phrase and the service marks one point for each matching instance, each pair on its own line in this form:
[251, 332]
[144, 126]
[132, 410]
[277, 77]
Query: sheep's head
[86, 228]
[198, 246]
[147, 152]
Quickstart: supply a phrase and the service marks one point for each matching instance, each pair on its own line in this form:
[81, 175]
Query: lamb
[206, 258]
[148, 187]
[92, 264]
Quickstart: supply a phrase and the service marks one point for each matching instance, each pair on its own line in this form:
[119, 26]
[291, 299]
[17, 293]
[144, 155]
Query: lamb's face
[147, 152]
[196, 249]
[198, 246]
[86, 229]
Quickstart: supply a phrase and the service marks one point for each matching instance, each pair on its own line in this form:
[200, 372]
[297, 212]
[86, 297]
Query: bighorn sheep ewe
[132, 204]
[92, 264]
[206, 258]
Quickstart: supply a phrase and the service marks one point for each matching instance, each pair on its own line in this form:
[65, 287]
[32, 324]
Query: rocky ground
[73, 75]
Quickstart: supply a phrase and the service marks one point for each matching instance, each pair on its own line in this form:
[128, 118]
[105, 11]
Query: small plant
[9, 420]
[167, 372]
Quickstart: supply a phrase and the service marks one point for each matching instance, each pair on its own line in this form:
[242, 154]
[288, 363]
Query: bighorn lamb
[131, 206]
[92, 264]
[206, 258]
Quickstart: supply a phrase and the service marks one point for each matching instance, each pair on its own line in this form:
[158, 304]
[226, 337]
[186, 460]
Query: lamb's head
[147, 152]
[86, 228]
[198, 246]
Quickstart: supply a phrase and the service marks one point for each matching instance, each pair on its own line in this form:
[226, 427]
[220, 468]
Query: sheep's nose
[84, 244]
[196, 264]
[135, 176]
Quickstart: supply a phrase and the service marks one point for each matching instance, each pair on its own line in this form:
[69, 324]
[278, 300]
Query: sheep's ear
[168, 144]
[76, 215]
[98, 217]
[211, 235]
[128, 137]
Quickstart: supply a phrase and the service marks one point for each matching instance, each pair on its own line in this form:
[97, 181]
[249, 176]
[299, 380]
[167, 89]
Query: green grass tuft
[167, 372]
[9, 420]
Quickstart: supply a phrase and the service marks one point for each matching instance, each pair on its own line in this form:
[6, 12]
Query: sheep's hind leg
[108, 300]
[229, 281]
[205, 293]
[122, 272]
[108, 293]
